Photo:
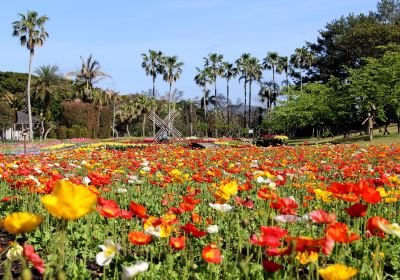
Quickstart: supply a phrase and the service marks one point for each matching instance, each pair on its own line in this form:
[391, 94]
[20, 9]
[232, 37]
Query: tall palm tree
[302, 59]
[214, 63]
[202, 79]
[229, 72]
[89, 74]
[283, 67]
[32, 33]
[271, 62]
[172, 72]
[99, 99]
[242, 66]
[254, 72]
[153, 64]
[46, 85]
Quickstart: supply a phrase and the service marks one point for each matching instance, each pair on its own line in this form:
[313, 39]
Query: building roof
[22, 118]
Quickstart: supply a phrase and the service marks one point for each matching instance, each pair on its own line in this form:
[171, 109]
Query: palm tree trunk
[169, 109]
[143, 126]
[287, 79]
[113, 120]
[28, 98]
[204, 103]
[245, 103]
[127, 129]
[215, 108]
[250, 104]
[301, 80]
[273, 81]
[154, 98]
[98, 121]
[227, 100]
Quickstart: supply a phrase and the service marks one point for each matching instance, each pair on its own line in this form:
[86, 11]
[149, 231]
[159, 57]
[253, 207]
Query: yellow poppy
[21, 222]
[69, 201]
[337, 272]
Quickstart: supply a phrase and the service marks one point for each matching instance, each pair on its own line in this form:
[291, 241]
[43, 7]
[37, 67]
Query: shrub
[62, 132]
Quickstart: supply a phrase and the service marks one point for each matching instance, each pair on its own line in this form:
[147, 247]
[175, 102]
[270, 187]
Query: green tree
[229, 72]
[377, 86]
[153, 64]
[254, 72]
[32, 33]
[202, 79]
[242, 66]
[89, 74]
[302, 59]
[46, 86]
[172, 72]
[271, 62]
[284, 67]
[344, 42]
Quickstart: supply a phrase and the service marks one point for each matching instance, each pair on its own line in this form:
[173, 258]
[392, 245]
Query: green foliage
[345, 42]
[7, 115]
[378, 85]
[62, 132]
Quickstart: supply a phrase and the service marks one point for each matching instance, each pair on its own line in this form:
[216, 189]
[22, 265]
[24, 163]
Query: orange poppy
[139, 238]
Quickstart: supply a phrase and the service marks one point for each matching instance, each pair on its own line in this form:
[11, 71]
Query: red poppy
[126, 214]
[271, 266]
[322, 217]
[357, 210]
[339, 232]
[285, 206]
[373, 226]
[247, 203]
[370, 195]
[307, 244]
[98, 179]
[192, 229]
[212, 254]
[108, 208]
[177, 243]
[30, 255]
[139, 238]
[138, 210]
[270, 236]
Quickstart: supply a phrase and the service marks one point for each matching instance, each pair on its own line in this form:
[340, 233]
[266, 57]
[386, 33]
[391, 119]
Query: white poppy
[221, 207]
[109, 250]
[122, 190]
[154, 231]
[15, 252]
[86, 181]
[212, 229]
[128, 272]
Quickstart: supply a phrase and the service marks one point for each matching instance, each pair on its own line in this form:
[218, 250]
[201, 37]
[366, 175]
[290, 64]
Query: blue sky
[118, 31]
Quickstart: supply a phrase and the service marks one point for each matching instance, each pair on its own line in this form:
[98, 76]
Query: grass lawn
[379, 138]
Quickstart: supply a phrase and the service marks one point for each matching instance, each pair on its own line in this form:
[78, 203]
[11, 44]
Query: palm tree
[32, 33]
[254, 72]
[302, 59]
[271, 62]
[202, 79]
[145, 105]
[129, 111]
[267, 94]
[99, 99]
[283, 66]
[45, 86]
[172, 72]
[89, 74]
[214, 63]
[229, 72]
[153, 64]
[242, 66]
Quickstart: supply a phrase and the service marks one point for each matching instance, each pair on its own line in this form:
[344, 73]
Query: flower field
[169, 212]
